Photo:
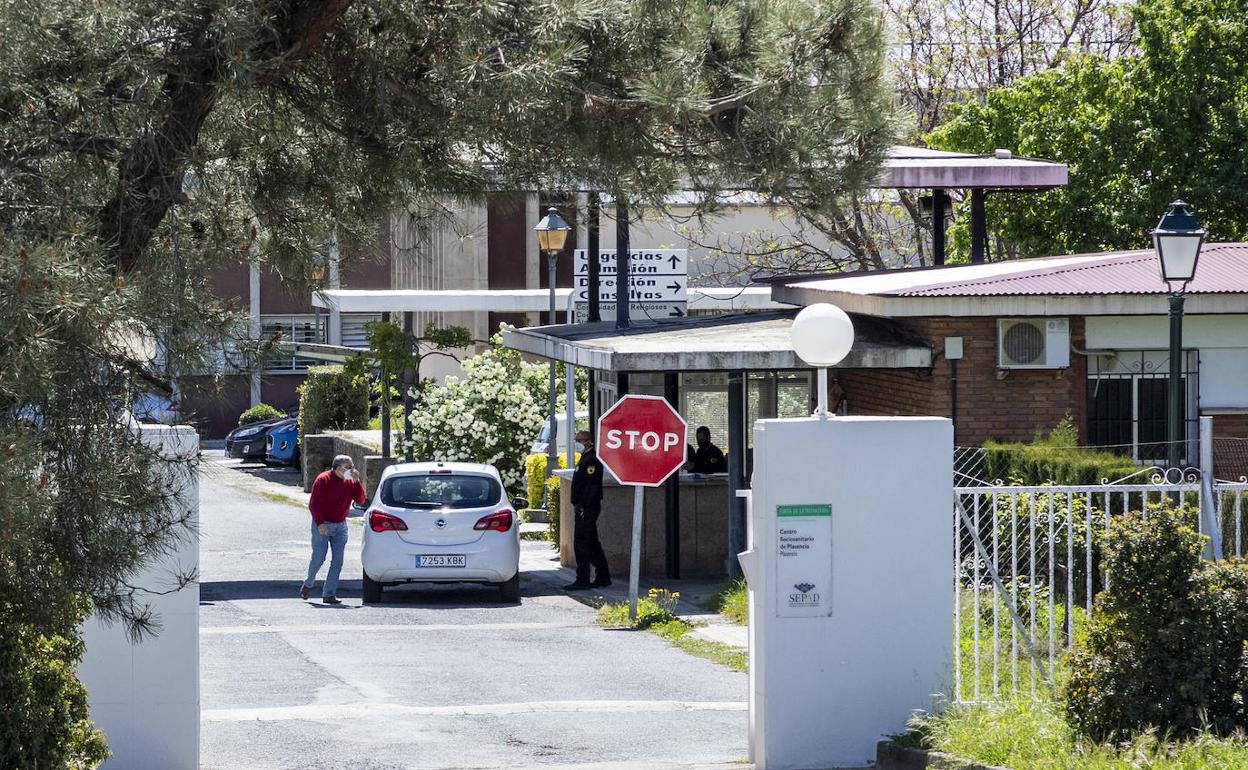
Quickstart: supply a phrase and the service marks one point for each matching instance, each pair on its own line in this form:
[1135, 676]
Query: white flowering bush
[489, 416]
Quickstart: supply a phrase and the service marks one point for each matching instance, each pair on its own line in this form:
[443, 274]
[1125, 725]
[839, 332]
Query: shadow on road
[286, 475]
[423, 596]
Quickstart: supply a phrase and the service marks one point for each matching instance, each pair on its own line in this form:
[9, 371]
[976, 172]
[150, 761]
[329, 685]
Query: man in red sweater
[332, 494]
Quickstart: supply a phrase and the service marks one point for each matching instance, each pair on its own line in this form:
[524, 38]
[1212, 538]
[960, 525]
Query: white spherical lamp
[822, 335]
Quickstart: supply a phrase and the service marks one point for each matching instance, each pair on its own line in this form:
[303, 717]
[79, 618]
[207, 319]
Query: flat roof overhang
[320, 352]
[749, 341]
[911, 167]
[517, 300]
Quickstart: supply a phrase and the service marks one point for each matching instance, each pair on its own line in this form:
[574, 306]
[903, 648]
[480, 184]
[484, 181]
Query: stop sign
[641, 440]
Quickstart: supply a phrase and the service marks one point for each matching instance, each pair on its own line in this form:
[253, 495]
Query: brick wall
[1230, 446]
[1013, 408]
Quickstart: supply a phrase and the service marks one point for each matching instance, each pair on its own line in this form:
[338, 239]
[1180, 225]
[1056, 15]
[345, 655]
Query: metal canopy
[920, 167]
[739, 341]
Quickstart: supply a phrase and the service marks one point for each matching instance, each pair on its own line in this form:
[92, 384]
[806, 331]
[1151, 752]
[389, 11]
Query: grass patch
[539, 534]
[732, 601]
[278, 497]
[1032, 735]
[654, 614]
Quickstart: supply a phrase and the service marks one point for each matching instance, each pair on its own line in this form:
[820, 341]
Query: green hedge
[331, 399]
[552, 509]
[535, 477]
[1166, 647]
[1055, 459]
[1040, 464]
[259, 413]
[44, 721]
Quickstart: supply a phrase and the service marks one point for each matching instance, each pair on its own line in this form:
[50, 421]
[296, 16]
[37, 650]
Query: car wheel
[510, 590]
[372, 590]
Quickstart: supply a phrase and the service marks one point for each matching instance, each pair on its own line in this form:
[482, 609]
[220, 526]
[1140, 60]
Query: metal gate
[1027, 567]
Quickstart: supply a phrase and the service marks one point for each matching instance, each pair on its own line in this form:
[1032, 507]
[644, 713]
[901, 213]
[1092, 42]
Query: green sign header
[803, 510]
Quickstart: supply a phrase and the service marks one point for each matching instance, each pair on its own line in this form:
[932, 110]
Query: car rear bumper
[495, 558]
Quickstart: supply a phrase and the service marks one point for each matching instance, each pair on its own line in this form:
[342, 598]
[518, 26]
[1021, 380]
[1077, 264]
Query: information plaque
[804, 561]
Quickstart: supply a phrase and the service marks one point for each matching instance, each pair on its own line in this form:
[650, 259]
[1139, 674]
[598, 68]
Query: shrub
[332, 399]
[396, 420]
[1055, 458]
[43, 707]
[1166, 648]
[259, 413]
[552, 509]
[535, 477]
[732, 601]
[488, 416]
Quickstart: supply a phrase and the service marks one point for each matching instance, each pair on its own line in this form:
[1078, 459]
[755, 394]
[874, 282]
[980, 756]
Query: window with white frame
[354, 333]
[291, 328]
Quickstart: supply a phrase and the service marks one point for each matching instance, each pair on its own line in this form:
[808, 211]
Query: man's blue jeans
[337, 540]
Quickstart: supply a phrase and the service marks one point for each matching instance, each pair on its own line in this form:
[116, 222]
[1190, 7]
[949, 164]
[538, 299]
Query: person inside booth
[707, 458]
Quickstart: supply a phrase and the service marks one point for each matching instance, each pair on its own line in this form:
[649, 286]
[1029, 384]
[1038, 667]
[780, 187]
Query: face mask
[580, 447]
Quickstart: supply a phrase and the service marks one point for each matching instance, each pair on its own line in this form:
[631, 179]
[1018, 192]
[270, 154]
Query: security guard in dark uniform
[587, 502]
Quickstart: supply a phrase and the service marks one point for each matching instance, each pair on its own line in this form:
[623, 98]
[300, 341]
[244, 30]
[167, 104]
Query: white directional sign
[658, 283]
[636, 310]
[641, 288]
[640, 262]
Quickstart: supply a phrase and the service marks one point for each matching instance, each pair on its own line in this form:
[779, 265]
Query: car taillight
[497, 522]
[381, 522]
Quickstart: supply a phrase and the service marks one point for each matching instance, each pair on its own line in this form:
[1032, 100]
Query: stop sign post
[641, 440]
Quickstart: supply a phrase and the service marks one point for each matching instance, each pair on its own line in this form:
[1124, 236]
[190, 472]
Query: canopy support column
[736, 469]
[671, 488]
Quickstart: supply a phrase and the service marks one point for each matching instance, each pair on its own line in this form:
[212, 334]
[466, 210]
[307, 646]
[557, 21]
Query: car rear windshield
[440, 491]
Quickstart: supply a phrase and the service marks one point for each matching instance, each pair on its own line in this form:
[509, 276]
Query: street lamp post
[1177, 240]
[552, 231]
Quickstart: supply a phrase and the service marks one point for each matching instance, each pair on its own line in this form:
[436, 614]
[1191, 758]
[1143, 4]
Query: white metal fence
[1027, 564]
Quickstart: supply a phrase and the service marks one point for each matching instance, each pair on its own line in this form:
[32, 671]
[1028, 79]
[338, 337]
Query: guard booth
[723, 371]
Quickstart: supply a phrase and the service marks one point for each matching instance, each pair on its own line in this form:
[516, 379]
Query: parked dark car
[282, 443]
[247, 442]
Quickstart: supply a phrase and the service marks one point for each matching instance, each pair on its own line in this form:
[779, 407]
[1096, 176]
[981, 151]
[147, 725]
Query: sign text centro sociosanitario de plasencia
[804, 560]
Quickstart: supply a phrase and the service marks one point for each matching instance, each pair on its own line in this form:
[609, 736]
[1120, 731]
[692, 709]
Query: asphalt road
[435, 677]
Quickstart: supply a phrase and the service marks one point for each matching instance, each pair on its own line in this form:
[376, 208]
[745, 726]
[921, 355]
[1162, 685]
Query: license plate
[441, 560]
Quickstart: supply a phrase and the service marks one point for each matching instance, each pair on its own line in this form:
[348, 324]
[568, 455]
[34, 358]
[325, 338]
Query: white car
[437, 522]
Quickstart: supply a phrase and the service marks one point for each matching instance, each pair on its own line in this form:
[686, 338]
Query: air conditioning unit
[1033, 343]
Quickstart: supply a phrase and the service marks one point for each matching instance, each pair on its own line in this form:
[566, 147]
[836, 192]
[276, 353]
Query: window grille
[1128, 403]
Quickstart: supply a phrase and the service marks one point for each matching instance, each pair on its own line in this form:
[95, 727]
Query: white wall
[1221, 339]
[145, 697]
[824, 688]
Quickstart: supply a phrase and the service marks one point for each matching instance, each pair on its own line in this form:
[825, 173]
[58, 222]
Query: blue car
[282, 443]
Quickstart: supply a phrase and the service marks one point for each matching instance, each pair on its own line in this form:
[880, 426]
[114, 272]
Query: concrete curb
[889, 756]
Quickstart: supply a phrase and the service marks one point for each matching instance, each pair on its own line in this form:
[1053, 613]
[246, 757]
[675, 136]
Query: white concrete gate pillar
[850, 584]
[145, 697]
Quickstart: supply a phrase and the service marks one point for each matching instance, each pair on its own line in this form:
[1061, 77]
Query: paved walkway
[543, 565]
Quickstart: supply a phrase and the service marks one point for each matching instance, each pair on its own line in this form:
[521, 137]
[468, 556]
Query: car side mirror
[520, 502]
[359, 507]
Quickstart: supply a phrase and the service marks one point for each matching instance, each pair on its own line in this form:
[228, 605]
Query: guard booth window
[1128, 403]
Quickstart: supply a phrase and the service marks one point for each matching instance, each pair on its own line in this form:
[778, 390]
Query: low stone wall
[319, 451]
[703, 527]
[889, 756]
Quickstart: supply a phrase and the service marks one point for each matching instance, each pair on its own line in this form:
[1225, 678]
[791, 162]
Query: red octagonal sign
[641, 440]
